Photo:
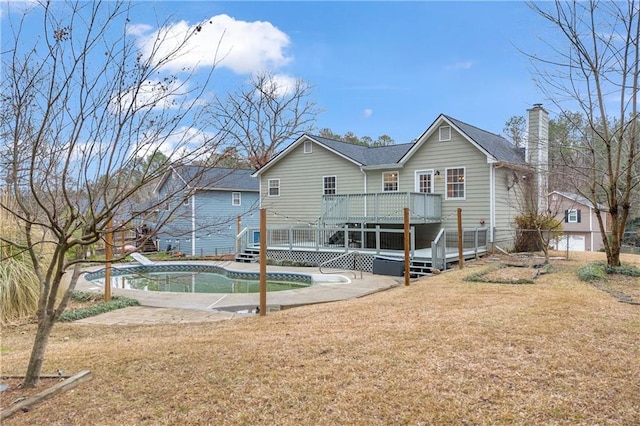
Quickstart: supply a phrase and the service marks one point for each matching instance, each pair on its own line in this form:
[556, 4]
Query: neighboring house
[579, 222]
[319, 181]
[204, 221]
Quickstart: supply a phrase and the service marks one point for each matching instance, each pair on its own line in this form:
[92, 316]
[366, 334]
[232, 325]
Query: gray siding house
[581, 231]
[204, 217]
[323, 182]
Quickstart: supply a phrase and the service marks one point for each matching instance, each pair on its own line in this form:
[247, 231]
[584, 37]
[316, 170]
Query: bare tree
[594, 67]
[264, 114]
[83, 112]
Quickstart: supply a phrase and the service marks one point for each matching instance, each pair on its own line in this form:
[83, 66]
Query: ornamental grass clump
[19, 290]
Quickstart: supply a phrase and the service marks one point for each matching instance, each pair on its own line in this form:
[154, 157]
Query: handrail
[355, 254]
[239, 243]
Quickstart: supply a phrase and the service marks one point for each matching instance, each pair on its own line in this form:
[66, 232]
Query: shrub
[595, 271]
[19, 290]
[116, 302]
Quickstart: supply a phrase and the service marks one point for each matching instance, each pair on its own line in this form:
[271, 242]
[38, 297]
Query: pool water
[195, 282]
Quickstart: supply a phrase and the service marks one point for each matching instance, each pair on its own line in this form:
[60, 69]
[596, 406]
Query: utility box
[388, 266]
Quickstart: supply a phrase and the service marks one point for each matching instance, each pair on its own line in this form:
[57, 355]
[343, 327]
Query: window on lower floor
[328, 185]
[274, 187]
[236, 199]
[390, 181]
[455, 183]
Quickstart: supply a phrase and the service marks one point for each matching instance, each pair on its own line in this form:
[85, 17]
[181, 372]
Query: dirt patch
[511, 273]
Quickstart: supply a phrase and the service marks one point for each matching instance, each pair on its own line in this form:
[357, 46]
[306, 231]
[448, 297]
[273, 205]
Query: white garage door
[576, 243]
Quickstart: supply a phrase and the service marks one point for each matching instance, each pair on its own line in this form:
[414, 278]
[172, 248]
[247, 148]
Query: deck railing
[330, 237]
[382, 207]
[476, 239]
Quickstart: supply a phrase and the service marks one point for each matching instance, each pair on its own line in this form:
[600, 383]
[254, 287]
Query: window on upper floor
[236, 198]
[329, 185]
[572, 216]
[424, 181]
[307, 147]
[390, 181]
[444, 133]
[274, 187]
[456, 183]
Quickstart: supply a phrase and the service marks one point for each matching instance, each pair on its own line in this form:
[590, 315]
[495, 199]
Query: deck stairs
[249, 255]
[420, 268]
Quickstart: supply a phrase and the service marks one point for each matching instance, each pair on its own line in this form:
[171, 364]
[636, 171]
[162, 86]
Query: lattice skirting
[365, 261]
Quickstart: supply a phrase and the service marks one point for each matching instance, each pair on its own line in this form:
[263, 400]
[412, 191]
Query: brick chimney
[537, 152]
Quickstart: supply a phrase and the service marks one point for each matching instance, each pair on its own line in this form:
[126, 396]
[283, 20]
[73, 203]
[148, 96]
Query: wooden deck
[381, 208]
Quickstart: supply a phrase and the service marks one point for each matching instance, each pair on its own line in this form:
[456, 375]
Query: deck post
[407, 255]
[377, 239]
[108, 256]
[346, 237]
[263, 262]
[476, 242]
[460, 241]
[290, 237]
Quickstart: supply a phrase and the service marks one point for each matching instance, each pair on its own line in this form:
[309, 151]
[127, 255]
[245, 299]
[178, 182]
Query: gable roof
[495, 147]
[216, 178]
[366, 155]
[360, 155]
[580, 200]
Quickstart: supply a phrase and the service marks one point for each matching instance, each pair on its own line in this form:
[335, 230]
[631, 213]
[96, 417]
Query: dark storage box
[388, 266]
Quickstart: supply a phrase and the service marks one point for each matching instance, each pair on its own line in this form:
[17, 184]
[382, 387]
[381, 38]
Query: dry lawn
[442, 351]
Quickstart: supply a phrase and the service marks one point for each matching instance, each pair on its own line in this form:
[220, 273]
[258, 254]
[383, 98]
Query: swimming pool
[197, 278]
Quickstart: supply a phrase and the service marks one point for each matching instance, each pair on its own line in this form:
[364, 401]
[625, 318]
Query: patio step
[248, 256]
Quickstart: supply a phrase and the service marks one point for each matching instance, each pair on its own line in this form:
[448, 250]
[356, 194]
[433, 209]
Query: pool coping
[332, 286]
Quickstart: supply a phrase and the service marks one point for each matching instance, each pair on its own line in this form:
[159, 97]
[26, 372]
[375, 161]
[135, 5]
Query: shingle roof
[581, 200]
[367, 156]
[218, 178]
[500, 148]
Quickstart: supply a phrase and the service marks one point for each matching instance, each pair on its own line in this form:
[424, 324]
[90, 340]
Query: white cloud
[138, 30]
[186, 144]
[152, 94]
[460, 65]
[283, 84]
[368, 112]
[244, 47]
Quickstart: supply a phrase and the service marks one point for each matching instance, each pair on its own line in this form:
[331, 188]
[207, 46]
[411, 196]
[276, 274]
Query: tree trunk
[45, 325]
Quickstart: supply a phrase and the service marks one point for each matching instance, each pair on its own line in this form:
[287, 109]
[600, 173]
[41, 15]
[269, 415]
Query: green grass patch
[598, 271]
[116, 302]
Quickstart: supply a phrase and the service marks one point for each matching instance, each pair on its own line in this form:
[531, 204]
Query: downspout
[193, 224]
[492, 202]
[591, 228]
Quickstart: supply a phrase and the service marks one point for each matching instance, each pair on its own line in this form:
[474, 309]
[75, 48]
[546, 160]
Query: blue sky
[376, 67]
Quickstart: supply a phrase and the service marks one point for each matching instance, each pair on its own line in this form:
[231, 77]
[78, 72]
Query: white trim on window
[273, 188]
[329, 185]
[308, 147]
[419, 182]
[444, 133]
[390, 181]
[456, 183]
[572, 216]
[236, 199]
